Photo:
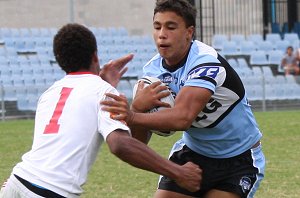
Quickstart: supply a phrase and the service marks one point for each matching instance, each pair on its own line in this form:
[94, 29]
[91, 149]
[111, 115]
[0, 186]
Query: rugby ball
[168, 99]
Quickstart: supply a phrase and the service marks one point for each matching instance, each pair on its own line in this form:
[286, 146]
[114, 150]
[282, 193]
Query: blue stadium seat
[53, 31]
[275, 57]
[282, 45]
[246, 47]
[242, 62]
[237, 38]
[6, 80]
[266, 46]
[5, 32]
[28, 80]
[292, 37]
[276, 28]
[11, 52]
[25, 32]
[290, 79]
[218, 40]
[9, 42]
[270, 93]
[258, 58]
[9, 93]
[233, 63]
[254, 92]
[230, 48]
[125, 87]
[35, 32]
[15, 32]
[273, 37]
[23, 104]
[255, 38]
[45, 32]
[257, 72]
[267, 71]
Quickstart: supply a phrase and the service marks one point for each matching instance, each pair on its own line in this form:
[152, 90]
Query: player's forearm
[141, 133]
[138, 155]
[168, 119]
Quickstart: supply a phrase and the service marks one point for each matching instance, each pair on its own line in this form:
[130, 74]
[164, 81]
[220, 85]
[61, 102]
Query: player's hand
[114, 70]
[149, 97]
[190, 177]
[118, 107]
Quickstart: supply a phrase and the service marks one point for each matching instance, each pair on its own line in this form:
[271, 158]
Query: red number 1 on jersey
[53, 125]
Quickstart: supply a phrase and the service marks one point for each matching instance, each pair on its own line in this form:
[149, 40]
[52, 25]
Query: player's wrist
[134, 108]
[130, 120]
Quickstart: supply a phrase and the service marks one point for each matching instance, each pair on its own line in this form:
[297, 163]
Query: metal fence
[246, 17]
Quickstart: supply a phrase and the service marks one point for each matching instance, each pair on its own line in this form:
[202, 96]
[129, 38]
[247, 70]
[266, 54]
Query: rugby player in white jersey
[211, 107]
[70, 127]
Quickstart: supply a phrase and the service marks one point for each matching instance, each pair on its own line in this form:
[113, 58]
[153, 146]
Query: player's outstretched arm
[114, 70]
[139, 155]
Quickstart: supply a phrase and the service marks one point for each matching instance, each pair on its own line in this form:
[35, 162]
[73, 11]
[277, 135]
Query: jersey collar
[80, 73]
[178, 65]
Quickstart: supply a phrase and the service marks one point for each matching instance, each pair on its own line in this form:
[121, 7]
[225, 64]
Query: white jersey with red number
[69, 128]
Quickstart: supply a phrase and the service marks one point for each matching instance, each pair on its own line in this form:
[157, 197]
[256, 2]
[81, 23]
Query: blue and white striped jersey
[226, 127]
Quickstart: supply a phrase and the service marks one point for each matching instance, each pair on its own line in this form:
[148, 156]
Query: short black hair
[73, 47]
[181, 7]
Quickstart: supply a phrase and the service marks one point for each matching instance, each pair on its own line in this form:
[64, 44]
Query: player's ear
[190, 32]
[95, 58]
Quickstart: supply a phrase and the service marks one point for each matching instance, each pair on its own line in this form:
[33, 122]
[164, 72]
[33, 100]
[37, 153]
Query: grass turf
[112, 178]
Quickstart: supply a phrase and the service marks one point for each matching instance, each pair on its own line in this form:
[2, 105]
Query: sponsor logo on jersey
[209, 71]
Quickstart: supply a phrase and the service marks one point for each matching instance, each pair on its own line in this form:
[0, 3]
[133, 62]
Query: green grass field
[112, 178]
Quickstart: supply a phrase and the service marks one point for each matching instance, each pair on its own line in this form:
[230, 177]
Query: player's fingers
[117, 116]
[107, 65]
[123, 71]
[162, 94]
[116, 97]
[114, 109]
[113, 103]
[141, 85]
[163, 104]
[161, 89]
[121, 62]
[111, 109]
[154, 85]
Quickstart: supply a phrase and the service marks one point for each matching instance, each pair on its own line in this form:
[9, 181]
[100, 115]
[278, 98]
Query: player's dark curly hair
[181, 7]
[73, 47]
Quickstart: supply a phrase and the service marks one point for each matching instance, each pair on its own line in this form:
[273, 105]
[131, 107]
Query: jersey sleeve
[106, 125]
[206, 72]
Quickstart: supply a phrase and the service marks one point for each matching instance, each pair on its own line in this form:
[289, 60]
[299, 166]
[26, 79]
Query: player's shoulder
[154, 61]
[202, 53]
[153, 65]
[96, 83]
[202, 49]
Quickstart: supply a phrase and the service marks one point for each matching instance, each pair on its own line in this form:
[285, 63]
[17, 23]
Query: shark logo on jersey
[209, 71]
[245, 183]
[167, 78]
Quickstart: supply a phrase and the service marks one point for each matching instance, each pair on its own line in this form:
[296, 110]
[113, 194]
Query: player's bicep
[191, 100]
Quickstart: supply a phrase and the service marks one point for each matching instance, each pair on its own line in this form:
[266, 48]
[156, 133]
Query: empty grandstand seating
[218, 40]
[28, 67]
[258, 57]
[27, 61]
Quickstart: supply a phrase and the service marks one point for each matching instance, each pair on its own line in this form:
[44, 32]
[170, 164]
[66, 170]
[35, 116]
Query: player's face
[171, 36]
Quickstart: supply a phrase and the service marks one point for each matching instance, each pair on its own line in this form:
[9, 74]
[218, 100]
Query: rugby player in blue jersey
[211, 107]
